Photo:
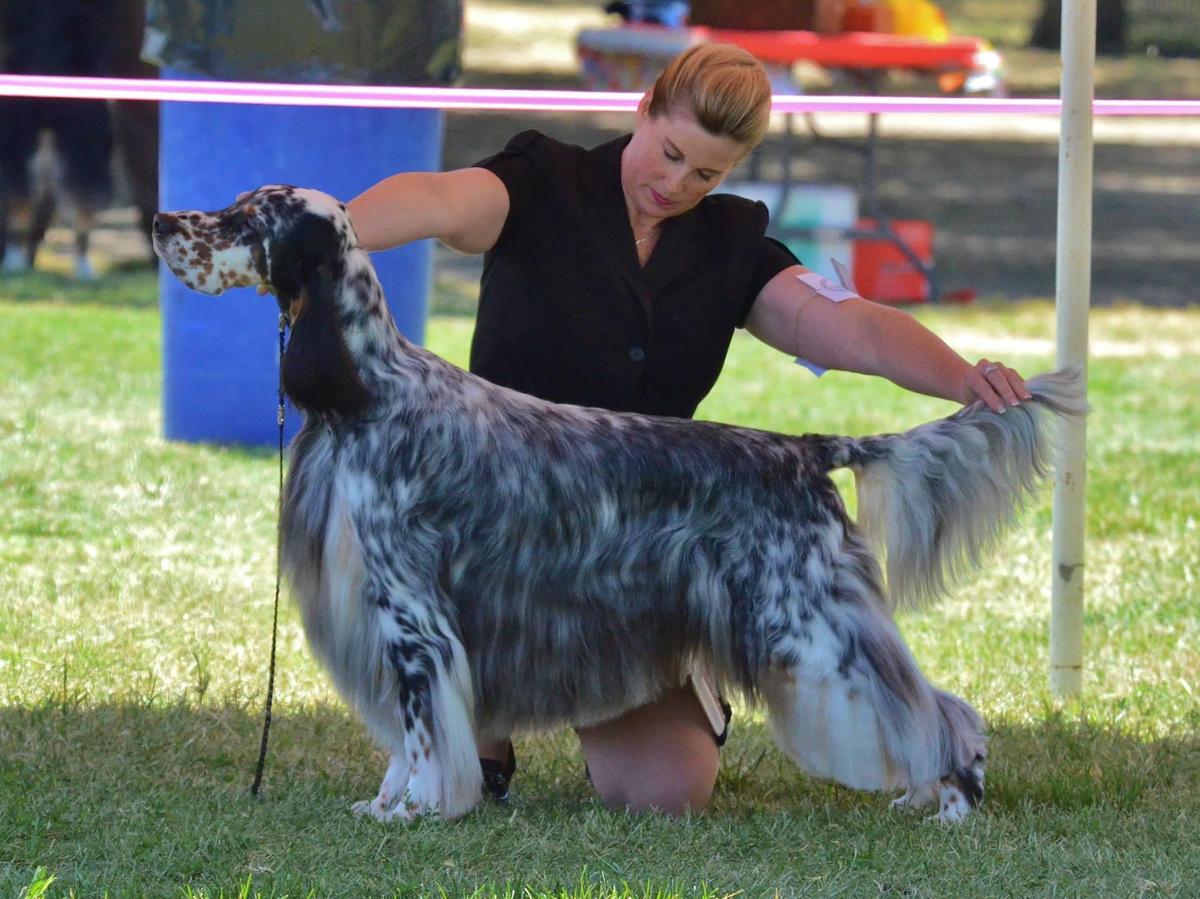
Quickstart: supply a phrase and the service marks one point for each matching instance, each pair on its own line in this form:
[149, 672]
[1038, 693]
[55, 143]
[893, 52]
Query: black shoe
[496, 775]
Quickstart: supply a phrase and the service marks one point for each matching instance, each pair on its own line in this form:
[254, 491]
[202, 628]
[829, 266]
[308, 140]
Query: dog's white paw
[952, 804]
[401, 810]
[372, 808]
[380, 811]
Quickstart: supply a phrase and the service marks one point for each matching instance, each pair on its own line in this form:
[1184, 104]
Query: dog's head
[293, 242]
[255, 241]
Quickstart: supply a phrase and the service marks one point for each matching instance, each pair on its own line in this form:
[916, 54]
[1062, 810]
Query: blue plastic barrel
[220, 354]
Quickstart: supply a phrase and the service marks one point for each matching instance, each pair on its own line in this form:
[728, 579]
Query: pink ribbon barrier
[543, 100]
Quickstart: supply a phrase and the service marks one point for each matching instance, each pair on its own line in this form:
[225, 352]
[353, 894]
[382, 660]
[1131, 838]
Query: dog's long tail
[936, 498]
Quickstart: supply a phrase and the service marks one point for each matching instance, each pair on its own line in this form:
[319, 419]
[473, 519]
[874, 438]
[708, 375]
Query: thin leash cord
[280, 415]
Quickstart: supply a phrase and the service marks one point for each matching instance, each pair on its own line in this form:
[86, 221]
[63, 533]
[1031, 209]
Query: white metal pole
[1073, 295]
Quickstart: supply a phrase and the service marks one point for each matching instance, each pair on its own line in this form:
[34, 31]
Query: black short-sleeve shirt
[566, 312]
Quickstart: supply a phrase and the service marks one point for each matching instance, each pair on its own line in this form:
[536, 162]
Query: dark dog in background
[58, 153]
[51, 148]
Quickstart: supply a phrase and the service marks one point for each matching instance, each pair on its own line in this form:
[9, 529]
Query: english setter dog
[471, 561]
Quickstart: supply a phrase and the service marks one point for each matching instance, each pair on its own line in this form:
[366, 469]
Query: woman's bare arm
[464, 209]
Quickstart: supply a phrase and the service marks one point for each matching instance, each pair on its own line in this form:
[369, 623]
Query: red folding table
[628, 57]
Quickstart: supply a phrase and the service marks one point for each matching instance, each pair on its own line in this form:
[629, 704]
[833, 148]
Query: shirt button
[637, 354]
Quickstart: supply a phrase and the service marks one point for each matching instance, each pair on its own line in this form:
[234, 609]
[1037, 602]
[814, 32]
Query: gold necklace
[638, 241]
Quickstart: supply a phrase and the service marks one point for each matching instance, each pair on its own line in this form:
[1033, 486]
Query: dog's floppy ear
[317, 370]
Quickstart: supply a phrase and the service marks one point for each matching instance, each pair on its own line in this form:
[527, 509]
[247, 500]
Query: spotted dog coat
[473, 561]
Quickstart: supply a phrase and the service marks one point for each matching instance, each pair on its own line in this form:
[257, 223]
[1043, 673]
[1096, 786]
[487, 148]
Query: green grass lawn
[136, 580]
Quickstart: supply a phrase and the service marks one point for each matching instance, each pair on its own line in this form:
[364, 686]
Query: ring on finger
[991, 368]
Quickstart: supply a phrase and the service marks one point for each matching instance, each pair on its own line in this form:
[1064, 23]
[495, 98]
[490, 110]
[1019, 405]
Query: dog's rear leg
[85, 223]
[826, 721]
[40, 216]
[847, 702]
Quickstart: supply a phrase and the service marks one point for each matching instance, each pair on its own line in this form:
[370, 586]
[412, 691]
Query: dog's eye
[240, 222]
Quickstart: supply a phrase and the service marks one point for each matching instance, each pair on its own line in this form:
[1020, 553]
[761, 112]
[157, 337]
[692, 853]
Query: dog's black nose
[165, 223]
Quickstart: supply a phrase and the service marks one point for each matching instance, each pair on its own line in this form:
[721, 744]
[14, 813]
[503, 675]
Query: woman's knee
[675, 789]
[659, 756]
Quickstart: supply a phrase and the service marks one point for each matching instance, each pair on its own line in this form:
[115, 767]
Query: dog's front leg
[953, 805]
[956, 795]
[425, 793]
[388, 804]
[412, 785]
[425, 713]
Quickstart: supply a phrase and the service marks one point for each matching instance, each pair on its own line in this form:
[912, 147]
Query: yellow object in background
[919, 18]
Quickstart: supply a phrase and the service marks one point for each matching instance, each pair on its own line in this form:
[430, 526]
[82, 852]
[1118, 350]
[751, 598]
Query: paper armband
[831, 290]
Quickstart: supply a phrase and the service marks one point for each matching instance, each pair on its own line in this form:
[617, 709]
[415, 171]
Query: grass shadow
[153, 798]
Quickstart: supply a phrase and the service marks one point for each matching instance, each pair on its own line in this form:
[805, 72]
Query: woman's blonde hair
[723, 86]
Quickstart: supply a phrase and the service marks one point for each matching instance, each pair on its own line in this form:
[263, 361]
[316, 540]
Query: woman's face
[671, 163]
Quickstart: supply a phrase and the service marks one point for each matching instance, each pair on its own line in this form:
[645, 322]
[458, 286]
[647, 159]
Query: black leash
[280, 415]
